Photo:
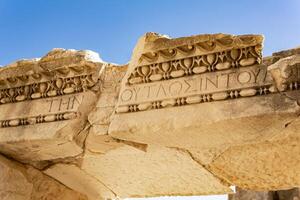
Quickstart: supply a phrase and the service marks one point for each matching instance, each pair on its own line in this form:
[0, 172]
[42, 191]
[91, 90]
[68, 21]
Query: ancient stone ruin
[186, 116]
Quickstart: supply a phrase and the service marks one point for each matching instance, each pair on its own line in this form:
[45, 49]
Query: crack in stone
[291, 98]
[111, 190]
[221, 179]
[27, 166]
[137, 145]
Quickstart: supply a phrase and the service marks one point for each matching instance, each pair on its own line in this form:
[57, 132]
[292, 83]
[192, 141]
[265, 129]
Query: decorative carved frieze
[51, 88]
[59, 76]
[218, 68]
[43, 76]
[220, 85]
[38, 119]
[207, 56]
[202, 98]
[58, 63]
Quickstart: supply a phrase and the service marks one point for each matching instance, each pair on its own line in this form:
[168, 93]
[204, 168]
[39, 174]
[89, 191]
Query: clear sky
[30, 28]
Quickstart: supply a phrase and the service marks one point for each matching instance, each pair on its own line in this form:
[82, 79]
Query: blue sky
[30, 28]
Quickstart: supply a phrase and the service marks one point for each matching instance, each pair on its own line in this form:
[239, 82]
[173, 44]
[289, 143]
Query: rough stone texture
[228, 115]
[19, 182]
[250, 195]
[292, 194]
[186, 116]
[79, 180]
[45, 103]
[145, 170]
[157, 172]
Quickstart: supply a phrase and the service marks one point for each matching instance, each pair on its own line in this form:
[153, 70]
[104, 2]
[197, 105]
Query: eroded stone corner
[23, 182]
[51, 98]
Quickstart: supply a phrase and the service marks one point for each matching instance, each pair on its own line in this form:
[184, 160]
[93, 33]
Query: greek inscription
[162, 90]
[197, 84]
[191, 86]
[126, 95]
[175, 88]
[211, 82]
[255, 73]
[64, 103]
[227, 78]
[244, 77]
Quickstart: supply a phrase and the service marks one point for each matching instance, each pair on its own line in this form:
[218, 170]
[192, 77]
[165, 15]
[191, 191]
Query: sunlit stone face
[186, 117]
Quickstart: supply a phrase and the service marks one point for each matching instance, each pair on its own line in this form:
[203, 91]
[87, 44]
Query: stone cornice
[212, 53]
[203, 44]
[58, 63]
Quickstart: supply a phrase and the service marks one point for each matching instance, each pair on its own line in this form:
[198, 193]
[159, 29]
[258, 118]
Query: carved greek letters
[64, 103]
[202, 83]
[244, 77]
[219, 85]
[126, 95]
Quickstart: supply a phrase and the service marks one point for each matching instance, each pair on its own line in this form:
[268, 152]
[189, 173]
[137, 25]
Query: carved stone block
[44, 109]
[20, 182]
[176, 94]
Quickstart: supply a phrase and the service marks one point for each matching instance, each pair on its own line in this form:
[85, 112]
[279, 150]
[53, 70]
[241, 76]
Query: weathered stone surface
[273, 160]
[292, 194]
[216, 114]
[186, 116]
[145, 170]
[110, 81]
[79, 180]
[45, 103]
[157, 171]
[19, 182]
[285, 72]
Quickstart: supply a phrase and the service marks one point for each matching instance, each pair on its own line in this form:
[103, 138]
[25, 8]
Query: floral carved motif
[198, 64]
[51, 88]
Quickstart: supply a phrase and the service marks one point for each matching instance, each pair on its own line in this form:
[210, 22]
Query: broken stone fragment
[22, 182]
[45, 104]
[79, 180]
[186, 116]
[225, 117]
[129, 171]
[285, 72]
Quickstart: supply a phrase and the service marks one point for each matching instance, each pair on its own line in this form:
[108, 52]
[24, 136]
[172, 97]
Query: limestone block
[19, 182]
[212, 96]
[80, 181]
[133, 171]
[44, 108]
[276, 156]
[285, 72]
[146, 171]
[186, 116]
[100, 116]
